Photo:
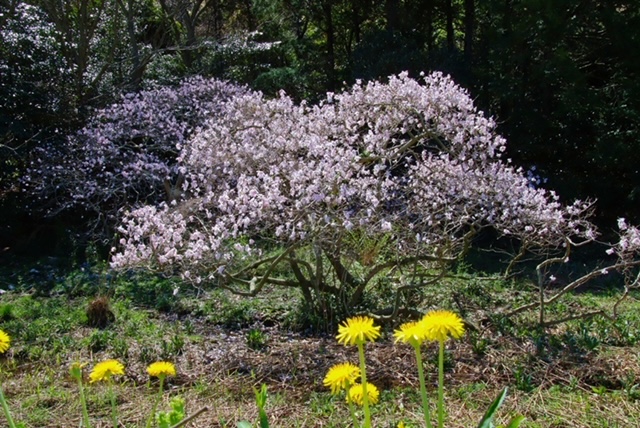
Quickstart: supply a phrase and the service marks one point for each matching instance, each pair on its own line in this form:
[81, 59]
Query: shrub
[126, 155]
[412, 165]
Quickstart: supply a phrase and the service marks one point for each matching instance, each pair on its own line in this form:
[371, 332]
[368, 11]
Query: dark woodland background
[561, 77]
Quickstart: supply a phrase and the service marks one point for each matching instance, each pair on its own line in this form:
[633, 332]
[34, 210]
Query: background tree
[34, 84]
[562, 79]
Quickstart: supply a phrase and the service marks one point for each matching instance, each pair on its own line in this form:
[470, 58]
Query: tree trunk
[469, 30]
[331, 59]
[135, 77]
[392, 12]
[449, 14]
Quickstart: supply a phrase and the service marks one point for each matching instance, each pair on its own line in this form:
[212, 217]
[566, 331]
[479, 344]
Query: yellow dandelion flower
[438, 325]
[401, 424]
[340, 375]
[355, 394]
[412, 333]
[106, 369]
[357, 330]
[161, 368]
[5, 342]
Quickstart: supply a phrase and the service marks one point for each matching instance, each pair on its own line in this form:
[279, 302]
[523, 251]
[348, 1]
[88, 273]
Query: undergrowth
[581, 373]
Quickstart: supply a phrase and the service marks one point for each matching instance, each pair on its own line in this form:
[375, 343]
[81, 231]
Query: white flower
[622, 224]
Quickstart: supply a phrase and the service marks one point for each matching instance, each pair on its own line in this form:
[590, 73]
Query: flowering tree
[384, 182]
[126, 155]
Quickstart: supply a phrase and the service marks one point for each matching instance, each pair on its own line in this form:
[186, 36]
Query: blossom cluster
[127, 154]
[410, 160]
[627, 248]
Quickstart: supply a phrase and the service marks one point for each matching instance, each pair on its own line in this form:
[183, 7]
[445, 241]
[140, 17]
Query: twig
[190, 418]
[571, 286]
[577, 317]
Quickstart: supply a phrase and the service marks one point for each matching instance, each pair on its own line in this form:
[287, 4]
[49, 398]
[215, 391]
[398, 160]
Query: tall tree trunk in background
[506, 18]
[506, 104]
[469, 30]
[188, 13]
[429, 17]
[77, 22]
[356, 22]
[135, 76]
[354, 31]
[449, 14]
[392, 12]
[218, 18]
[189, 22]
[331, 58]
[250, 17]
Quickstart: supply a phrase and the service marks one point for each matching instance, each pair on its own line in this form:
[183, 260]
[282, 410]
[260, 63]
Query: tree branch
[255, 288]
[573, 285]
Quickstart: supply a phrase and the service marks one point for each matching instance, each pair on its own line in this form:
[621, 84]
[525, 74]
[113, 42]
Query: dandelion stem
[352, 409]
[423, 388]
[114, 411]
[155, 405]
[5, 407]
[365, 394]
[441, 385]
[83, 401]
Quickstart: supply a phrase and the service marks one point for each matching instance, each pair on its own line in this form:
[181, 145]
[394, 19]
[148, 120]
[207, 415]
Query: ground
[580, 374]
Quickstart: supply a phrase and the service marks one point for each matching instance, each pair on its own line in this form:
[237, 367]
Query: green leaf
[261, 396]
[244, 424]
[487, 419]
[515, 422]
[261, 401]
[264, 421]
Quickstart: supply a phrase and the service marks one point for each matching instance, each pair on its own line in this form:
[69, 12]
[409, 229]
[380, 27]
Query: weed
[631, 385]
[626, 331]
[120, 348]
[100, 340]
[523, 379]
[468, 391]
[599, 390]
[322, 405]
[172, 347]
[35, 353]
[61, 344]
[256, 339]
[479, 345]
[201, 388]
[148, 290]
[503, 324]
[6, 312]
[148, 354]
[189, 328]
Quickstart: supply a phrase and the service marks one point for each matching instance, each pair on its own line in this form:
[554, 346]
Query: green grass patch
[583, 373]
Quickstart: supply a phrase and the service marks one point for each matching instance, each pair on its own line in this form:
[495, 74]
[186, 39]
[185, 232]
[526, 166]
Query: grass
[584, 373]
